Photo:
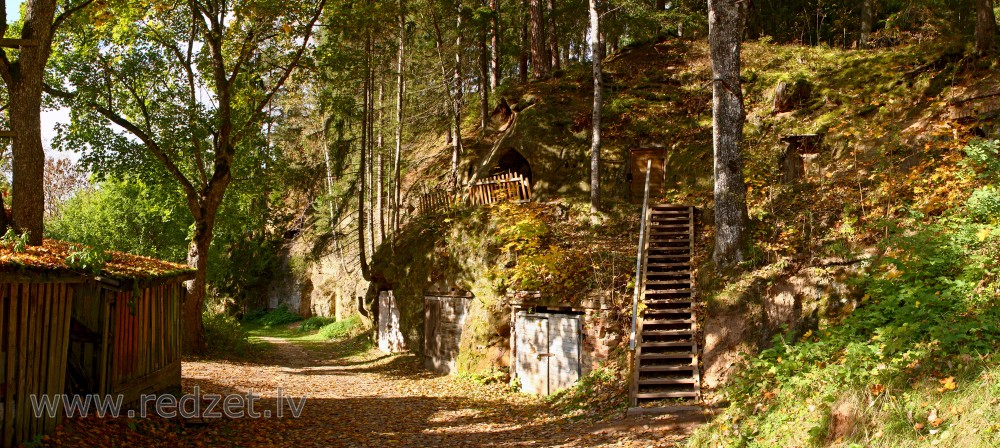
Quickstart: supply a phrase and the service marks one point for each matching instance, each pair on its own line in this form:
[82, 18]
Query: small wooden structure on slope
[65, 330]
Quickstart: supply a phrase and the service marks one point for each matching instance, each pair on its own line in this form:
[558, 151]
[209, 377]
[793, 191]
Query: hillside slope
[884, 171]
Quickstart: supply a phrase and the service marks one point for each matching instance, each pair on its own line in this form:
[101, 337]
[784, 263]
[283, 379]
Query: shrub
[984, 204]
[315, 323]
[225, 336]
[984, 154]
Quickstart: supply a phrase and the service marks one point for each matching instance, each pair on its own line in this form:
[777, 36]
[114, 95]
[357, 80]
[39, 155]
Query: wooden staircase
[666, 355]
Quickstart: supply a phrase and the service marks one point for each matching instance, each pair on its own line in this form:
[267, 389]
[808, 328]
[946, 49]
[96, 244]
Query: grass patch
[341, 329]
[269, 319]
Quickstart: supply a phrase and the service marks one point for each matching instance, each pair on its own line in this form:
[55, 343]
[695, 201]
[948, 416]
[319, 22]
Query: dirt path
[361, 398]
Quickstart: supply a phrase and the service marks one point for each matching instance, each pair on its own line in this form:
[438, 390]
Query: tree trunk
[484, 86]
[540, 62]
[362, 170]
[553, 37]
[495, 44]
[400, 88]
[28, 202]
[986, 27]
[726, 21]
[380, 173]
[23, 77]
[867, 22]
[457, 97]
[193, 328]
[595, 144]
[522, 62]
[371, 157]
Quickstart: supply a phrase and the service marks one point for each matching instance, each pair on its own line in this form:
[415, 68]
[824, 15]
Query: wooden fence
[500, 188]
[34, 336]
[506, 187]
[132, 344]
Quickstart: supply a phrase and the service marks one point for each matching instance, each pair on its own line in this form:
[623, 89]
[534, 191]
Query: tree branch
[135, 130]
[258, 112]
[67, 13]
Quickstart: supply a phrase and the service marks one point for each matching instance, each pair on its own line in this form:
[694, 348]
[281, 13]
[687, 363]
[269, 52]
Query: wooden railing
[506, 187]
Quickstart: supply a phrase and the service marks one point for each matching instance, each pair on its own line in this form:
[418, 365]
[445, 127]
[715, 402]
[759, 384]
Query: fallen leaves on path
[366, 399]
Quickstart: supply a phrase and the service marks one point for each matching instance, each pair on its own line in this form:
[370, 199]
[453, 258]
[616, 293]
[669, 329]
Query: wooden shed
[65, 329]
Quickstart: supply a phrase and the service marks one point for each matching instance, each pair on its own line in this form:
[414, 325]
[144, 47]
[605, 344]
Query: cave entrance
[513, 162]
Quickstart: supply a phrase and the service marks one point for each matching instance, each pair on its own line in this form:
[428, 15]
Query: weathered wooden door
[637, 171]
[547, 351]
[390, 337]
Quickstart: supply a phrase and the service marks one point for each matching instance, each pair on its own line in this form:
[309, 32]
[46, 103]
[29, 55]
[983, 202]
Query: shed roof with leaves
[64, 259]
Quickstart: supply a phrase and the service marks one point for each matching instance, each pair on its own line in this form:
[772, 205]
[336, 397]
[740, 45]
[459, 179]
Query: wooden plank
[17, 43]
[53, 345]
[36, 322]
[105, 327]
[67, 315]
[167, 379]
[11, 301]
[4, 349]
[22, 338]
[45, 352]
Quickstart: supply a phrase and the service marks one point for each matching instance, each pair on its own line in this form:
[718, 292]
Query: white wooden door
[547, 351]
[532, 353]
[564, 350]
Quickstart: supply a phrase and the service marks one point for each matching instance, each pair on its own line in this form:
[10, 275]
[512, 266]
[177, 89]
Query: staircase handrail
[639, 280]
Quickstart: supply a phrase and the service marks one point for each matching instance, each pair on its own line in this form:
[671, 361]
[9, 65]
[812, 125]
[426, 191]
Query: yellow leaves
[947, 384]
[877, 389]
[983, 233]
[287, 28]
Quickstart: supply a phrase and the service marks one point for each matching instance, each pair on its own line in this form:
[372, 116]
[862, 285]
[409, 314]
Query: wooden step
[655, 272]
[659, 395]
[680, 368]
[645, 356]
[669, 311]
[666, 381]
[669, 282]
[667, 321]
[669, 291]
[666, 344]
[668, 265]
[667, 332]
[674, 301]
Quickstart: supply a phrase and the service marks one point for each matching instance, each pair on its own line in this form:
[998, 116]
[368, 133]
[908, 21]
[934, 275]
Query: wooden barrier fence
[506, 187]
[34, 330]
[500, 188]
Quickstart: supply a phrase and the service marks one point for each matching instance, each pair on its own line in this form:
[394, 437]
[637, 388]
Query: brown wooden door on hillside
[637, 171]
